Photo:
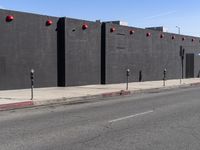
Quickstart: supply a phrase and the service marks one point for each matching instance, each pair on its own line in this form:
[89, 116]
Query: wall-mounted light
[9, 18]
[173, 37]
[131, 31]
[112, 29]
[193, 39]
[49, 22]
[148, 34]
[162, 36]
[183, 38]
[84, 26]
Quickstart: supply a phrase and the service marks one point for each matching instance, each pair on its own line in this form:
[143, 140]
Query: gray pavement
[42, 96]
[151, 121]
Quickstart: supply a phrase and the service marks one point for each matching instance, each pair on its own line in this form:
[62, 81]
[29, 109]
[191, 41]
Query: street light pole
[179, 32]
[182, 54]
[179, 29]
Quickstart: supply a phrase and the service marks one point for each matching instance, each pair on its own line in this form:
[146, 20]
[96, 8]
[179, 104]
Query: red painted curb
[16, 105]
[118, 93]
[193, 84]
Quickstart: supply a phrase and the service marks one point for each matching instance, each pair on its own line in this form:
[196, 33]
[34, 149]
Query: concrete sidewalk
[42, 96]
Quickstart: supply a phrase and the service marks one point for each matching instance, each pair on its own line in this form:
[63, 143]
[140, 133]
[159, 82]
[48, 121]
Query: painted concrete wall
[63, 54]
[82, 53]
[25, 43]
[138, 52]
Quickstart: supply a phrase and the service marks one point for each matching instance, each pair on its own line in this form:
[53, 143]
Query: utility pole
[179, 29]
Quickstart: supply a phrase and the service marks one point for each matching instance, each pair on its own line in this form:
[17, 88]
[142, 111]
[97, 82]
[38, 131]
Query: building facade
[69, 52]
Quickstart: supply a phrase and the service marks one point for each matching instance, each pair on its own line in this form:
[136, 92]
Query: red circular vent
[9, 18]
[132, 31]
[148, 34]
[84, 26]
[112, 29]
[161, 36]
[49, 22]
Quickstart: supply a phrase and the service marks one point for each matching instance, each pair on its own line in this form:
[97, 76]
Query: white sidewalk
[45, 95]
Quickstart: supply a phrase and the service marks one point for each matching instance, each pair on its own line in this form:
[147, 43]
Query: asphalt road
[157, 121]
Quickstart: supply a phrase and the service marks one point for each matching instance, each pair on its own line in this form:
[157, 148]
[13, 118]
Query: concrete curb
[166, 88]
[83, 99]
[90, 98]
[93, 98]
[16, 105]
[118, 93]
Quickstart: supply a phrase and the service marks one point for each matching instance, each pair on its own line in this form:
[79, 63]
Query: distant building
[162, 29]
[122, 23]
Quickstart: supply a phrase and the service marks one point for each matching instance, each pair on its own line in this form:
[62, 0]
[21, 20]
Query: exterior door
[189, 65]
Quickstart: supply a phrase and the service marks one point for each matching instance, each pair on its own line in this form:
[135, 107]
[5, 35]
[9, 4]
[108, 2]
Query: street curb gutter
[93, 98]
[16, 105]
[90, 98]
[83, 99]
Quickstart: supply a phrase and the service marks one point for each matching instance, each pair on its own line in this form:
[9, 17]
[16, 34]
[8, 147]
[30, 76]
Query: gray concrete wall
[82, 53]
[63, 54]
[148, 54]
[25, 43]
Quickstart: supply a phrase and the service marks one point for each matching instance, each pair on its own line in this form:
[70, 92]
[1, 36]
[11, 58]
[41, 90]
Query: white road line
[131, 116]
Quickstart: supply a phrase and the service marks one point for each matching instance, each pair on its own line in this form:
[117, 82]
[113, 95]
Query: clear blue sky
[138, 13]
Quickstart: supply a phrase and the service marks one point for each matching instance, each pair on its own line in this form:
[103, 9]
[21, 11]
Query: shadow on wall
[61, 52]
[140, 76]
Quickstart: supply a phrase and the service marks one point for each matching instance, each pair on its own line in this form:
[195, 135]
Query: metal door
[189, 65]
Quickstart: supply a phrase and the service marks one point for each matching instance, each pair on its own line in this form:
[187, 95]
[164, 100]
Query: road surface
[155, 121]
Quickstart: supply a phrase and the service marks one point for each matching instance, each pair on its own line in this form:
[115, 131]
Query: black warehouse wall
[82, 52]
[70, 52]
[143, 54]
[27, 42]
